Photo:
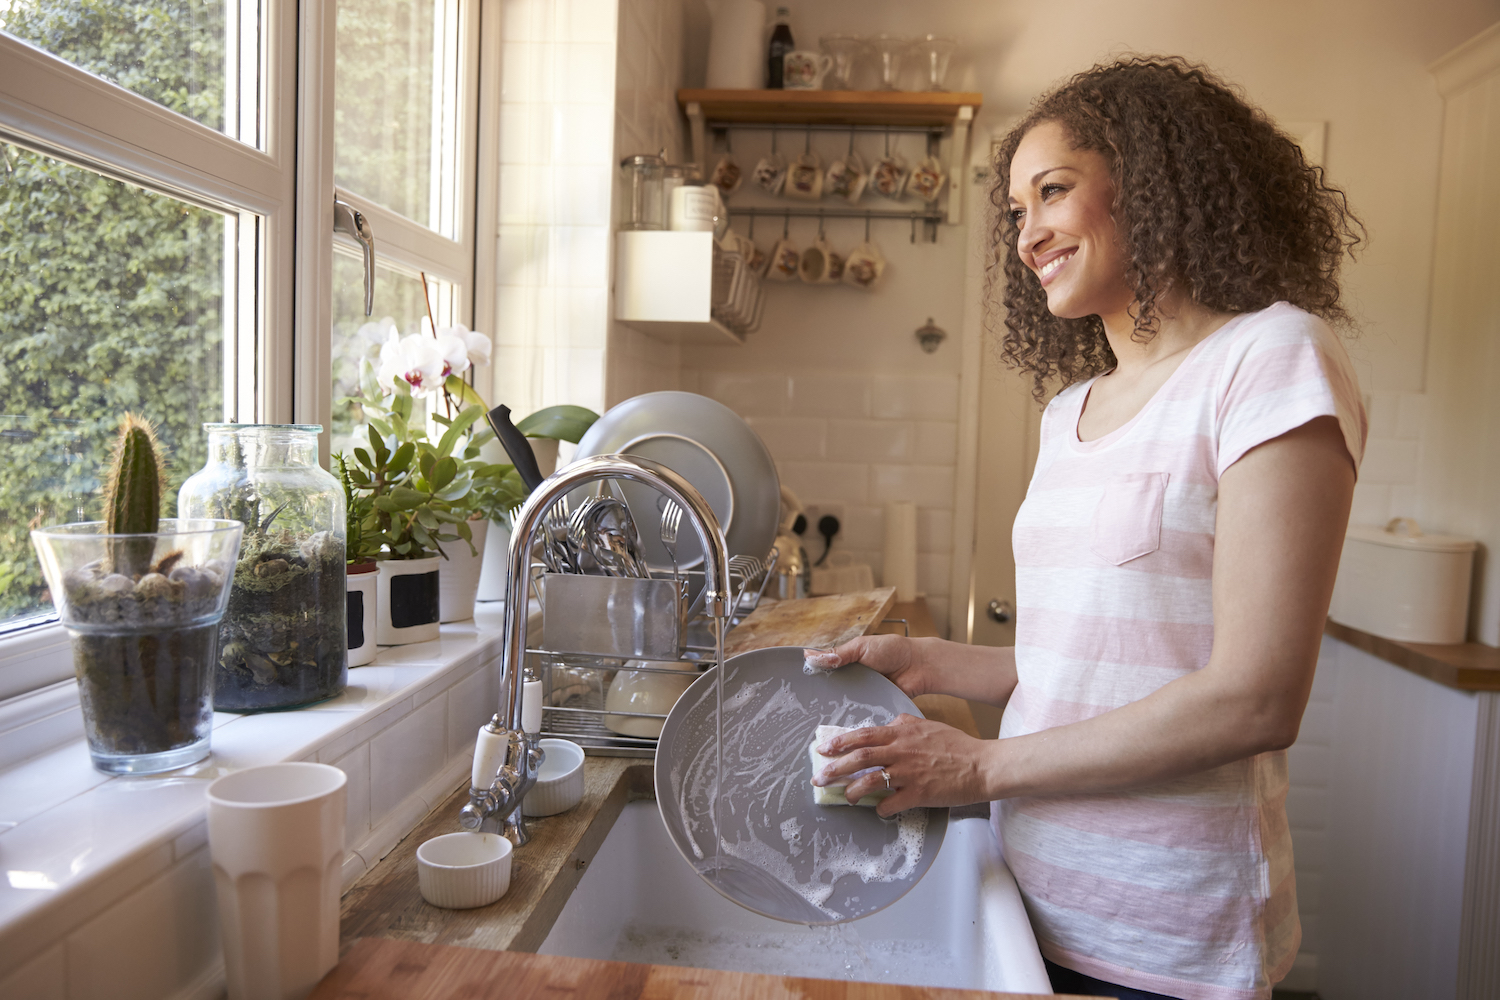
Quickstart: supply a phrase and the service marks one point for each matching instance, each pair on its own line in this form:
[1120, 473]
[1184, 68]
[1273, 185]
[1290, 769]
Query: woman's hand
[929, 763]
[895, 656]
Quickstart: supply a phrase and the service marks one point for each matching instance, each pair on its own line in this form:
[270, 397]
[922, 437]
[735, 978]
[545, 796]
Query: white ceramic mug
[276, 843]
[770, 174]
[804, 178]
[846, 178]
[727, 176]
[786, 261]
[926, 181]
[817, 263]
[804, 70]
[888, 176]
[864, 266]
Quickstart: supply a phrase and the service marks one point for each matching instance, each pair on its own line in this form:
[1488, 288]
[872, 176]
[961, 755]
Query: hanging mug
[804, 179]
[786, 261]
[846, 178]
[864, 266]
[770, 173]
[727, 176]
[927, 179]
[888, 176]
[804, 70]
[835, 268]
[817, 262]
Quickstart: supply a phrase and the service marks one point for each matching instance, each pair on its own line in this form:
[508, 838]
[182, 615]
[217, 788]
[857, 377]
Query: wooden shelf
[1467, 666]
[830, 107]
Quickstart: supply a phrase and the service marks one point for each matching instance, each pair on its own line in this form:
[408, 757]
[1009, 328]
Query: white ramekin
[559, 785]
[459, 871]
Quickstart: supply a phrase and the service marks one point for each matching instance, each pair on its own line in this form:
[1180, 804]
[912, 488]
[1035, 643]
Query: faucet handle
[489, 754]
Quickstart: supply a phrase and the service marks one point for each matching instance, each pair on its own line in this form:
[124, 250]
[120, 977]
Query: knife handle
[516, 446]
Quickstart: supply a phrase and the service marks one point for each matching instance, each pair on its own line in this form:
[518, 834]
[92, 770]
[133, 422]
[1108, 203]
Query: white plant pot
[458, 576]
[407, 596]
[362, 610]
[496, 558]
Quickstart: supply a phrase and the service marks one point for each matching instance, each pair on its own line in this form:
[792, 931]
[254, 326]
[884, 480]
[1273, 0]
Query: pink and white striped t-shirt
[1183, 888]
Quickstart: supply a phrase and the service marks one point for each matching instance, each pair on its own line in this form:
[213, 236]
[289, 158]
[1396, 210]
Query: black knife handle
[516, 446]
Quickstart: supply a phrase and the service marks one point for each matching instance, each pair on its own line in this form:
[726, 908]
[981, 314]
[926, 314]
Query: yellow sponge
[833, 795]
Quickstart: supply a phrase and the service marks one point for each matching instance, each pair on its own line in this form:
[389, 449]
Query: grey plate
[710, 446]
[781, 842]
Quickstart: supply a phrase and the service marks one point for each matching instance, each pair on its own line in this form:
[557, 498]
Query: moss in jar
[282, 641]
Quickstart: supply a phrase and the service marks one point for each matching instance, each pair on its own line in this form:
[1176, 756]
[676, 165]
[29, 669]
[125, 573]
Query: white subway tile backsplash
[582, 256]
[1307, 765]
[1389, 461]
[934, 530]
[1307, 808]
[584, 133]
[933, 572]
[792, 437]
[588, 73]
[924, 485]
[927, 397]
[749, 395]
[1383, 410]
[44, 977]
[830, 395]
[873, 440]
[938, 607]
[406, 754]
[1413, 419]
[818, 481]
[586, 20]
[525, 135]
[861, 528]
[1372, 503]
[937, 441]
[471, 702]
[356, 768]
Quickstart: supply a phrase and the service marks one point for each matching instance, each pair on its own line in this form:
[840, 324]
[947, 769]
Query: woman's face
[1060, 199]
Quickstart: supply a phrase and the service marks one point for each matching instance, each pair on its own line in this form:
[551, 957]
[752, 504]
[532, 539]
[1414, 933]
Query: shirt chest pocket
[1127, 522]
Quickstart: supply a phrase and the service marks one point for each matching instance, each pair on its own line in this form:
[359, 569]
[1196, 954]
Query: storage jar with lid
[282, 640]
[642, 206]
[1399, 583]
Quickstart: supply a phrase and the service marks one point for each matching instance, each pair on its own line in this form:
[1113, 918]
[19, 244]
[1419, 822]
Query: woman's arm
[1282, 512]
[930, 665]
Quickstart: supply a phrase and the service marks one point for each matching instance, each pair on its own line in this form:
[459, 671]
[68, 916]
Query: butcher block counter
[394, 944]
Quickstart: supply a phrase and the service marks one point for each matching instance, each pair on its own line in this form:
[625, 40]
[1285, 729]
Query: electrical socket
[817, 510]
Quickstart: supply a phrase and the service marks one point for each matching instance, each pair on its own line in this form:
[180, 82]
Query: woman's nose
[1033, 234]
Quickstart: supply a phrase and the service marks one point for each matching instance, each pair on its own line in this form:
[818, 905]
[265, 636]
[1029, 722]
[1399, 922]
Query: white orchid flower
[454, 351]
[478, 347]
[414, 358]
[378, 331]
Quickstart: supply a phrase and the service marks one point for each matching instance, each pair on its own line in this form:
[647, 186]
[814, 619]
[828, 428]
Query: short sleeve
[1286, 369]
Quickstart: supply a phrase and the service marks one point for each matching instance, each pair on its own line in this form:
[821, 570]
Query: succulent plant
[132, 496]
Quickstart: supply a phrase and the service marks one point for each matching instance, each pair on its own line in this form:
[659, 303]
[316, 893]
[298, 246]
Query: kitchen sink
[963, 925]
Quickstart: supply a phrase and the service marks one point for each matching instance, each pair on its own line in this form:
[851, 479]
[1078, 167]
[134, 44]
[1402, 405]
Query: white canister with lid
[1399, 583]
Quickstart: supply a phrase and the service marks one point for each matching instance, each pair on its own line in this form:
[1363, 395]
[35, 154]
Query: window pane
[182, 54]
[398, 300]
[394, 103]
[111, 300]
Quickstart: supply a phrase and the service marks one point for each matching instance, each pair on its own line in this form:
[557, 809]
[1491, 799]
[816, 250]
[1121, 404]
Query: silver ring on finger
[887, 776]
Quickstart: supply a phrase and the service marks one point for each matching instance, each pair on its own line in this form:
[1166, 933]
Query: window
[157, 158]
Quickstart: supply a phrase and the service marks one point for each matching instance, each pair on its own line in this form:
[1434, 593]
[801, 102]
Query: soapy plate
[781, 855]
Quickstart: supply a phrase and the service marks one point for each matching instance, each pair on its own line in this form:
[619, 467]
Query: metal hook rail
[930, 217]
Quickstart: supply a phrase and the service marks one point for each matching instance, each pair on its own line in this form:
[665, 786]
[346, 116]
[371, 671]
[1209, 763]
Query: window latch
[351, 222]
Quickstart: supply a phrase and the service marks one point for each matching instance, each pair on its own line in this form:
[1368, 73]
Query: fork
[671, 517]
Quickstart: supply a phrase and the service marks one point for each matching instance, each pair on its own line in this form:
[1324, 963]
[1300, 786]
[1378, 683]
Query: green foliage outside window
[111, 297]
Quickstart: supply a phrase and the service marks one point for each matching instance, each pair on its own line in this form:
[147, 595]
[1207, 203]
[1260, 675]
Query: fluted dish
[459, 871]
[559, 783]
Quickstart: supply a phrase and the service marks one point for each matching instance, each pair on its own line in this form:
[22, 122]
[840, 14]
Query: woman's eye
[1016, 215]
[1048, 190]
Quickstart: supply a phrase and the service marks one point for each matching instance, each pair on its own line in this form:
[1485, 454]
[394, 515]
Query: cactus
[132, 496]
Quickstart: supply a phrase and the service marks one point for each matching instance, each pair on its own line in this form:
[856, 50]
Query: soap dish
[459, 871]
[559, 783]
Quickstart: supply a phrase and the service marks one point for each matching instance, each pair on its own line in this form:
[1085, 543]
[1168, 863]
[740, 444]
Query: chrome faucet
[499, 784]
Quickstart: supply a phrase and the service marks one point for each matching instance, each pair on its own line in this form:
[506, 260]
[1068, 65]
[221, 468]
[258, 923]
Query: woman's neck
[1182, 324]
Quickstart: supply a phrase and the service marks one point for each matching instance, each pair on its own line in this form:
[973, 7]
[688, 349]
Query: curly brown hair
[1209, 195]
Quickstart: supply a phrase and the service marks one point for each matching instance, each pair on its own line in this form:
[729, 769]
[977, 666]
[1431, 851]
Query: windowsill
[74, 841]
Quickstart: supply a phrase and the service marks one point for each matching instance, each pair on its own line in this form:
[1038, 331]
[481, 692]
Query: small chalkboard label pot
[361, 610]
[407, 600]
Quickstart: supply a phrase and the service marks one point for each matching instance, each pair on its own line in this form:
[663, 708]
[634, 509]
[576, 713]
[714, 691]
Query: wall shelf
[830, 107]
[951, 113]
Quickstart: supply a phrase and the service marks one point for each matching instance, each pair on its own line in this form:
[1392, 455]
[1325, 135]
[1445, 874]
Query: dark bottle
[781, 44]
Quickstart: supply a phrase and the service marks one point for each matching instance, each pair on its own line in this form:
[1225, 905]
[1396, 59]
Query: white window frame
[277, 343]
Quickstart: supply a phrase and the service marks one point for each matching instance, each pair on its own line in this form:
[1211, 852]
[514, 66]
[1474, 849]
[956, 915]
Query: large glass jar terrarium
[281, 643]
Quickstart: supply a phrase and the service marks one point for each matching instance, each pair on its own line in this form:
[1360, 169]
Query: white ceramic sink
[962, 926]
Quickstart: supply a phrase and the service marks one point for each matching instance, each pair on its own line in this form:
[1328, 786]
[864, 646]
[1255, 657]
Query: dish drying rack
[574, 685]
[735, 298]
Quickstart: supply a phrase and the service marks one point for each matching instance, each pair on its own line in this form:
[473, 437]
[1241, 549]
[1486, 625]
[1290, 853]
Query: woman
[1172, 260]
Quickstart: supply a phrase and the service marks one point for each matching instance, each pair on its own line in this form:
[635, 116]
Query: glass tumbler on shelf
[282, 642]
[844, 50]
[888, 52]
[932, 54]
[643, 206]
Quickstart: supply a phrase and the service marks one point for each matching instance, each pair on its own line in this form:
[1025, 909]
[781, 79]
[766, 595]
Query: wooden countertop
[406, 970]
[1468, 666]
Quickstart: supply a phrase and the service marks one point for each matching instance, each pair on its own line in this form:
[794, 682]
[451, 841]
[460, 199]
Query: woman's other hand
[929, 763]
[895, 656]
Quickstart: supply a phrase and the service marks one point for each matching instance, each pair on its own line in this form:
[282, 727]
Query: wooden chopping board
[384, 969]
[816, 621]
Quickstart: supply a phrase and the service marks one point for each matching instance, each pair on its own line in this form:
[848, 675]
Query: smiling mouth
[1048, 269]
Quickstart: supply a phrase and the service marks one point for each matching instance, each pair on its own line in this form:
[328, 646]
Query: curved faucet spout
[519, 772]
